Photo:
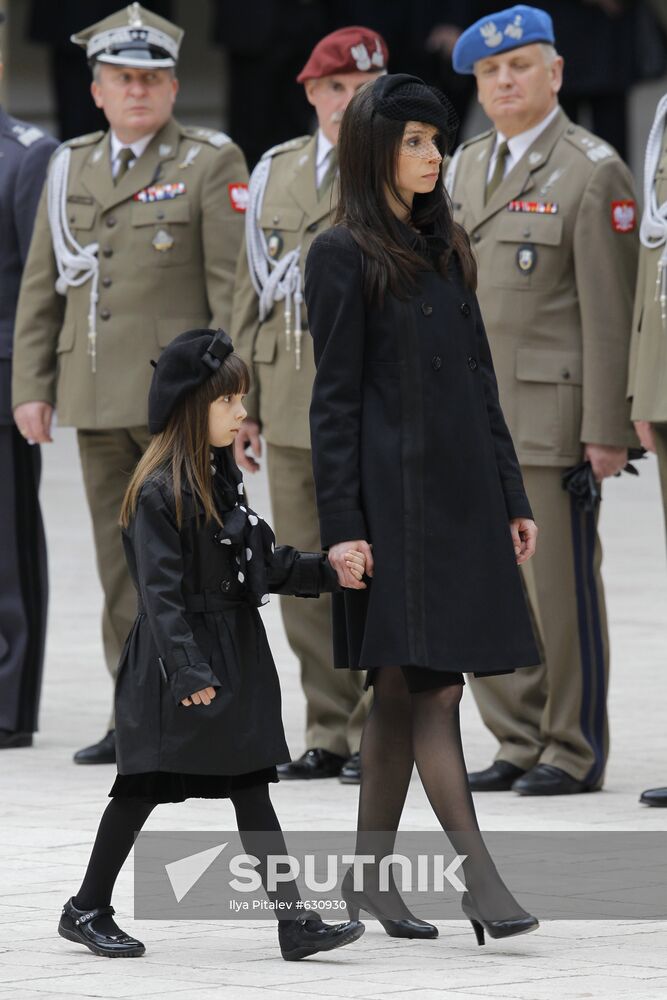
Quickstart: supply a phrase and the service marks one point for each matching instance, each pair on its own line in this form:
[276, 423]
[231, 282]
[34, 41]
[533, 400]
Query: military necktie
[125, 158]
[498, 174]
[330, 172]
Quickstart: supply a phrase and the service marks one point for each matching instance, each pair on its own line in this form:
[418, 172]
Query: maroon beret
[348, 50]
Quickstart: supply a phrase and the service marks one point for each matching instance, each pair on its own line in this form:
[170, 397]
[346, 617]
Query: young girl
[411, 454]
[197, 694]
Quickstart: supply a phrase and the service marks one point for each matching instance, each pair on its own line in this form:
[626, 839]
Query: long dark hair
[181, 452]
[368, 150]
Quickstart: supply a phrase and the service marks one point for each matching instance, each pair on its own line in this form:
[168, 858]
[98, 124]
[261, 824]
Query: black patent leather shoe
[9, 739]
[351, 771]
[315, 763]
[408, 926]
[308, 934]
[654, 797]
[103, 752]
[496, 928]
[545, 779]
[498, 778]
[79, 926]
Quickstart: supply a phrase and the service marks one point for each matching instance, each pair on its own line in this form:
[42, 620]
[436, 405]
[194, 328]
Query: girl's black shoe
[79, 925]
[496, 928]
[308, 934]
[407, 927]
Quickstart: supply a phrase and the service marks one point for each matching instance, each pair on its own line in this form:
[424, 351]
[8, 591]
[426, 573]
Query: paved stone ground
[50, 809]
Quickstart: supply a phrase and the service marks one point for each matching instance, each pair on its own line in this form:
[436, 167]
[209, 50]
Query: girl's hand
[338, 558]
[356, 563]
[524, 537]
[203, 697]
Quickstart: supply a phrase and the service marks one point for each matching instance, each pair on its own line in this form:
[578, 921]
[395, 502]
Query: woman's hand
[524, 538]
[345, 553]
[203, 697]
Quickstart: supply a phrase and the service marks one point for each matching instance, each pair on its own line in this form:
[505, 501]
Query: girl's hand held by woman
[203, 697]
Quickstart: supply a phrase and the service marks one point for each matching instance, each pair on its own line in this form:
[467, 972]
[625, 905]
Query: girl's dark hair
[368, 150]
[181, 452]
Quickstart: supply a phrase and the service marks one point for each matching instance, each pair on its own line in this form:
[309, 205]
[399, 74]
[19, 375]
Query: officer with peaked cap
[647, 382]
[24, 153]
[137, 236]
[291, 198]
[551, 213]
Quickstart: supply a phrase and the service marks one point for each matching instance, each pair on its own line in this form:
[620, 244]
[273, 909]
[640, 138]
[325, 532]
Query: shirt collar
[138, 147]
[521, 143]
[324, 147]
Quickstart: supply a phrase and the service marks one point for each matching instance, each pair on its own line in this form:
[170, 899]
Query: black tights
[124, 817]
[424, 728]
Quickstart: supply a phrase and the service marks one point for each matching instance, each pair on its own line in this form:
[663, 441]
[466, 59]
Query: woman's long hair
[368, 150]
[181, 453]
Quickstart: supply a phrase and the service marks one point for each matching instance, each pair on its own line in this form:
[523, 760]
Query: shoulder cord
[274, 281]
[653, 229]
[76, 264]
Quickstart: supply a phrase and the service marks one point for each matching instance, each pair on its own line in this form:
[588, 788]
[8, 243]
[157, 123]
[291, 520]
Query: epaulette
[26, 134]
[286, 147]
[588, 145]
[209, 135]
[82, 140]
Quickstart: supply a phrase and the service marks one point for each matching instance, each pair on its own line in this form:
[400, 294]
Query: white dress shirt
[137, 148]
[519, 144]
[324, 147]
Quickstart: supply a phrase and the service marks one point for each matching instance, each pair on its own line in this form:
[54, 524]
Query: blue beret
[501, 32]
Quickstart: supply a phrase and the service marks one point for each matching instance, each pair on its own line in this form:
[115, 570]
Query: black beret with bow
[186, 363]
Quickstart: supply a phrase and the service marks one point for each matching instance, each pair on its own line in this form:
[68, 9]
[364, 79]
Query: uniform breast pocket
[81, 219]
[282, 229]
[527, 251]
[161, 232]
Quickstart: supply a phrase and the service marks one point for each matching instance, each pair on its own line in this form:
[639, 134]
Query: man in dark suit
[24, 154]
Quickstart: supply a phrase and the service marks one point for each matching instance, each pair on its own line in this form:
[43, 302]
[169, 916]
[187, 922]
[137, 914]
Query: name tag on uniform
[534, 207]
[160, 192]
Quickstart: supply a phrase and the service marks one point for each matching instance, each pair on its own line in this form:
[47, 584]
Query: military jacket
[647, 383]
[168, 237]
[557, 253]
[293, 212]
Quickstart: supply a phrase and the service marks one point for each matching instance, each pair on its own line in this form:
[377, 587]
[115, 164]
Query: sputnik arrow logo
[186, 872]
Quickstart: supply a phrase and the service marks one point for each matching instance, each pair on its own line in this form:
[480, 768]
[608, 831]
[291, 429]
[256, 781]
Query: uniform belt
[209, 600]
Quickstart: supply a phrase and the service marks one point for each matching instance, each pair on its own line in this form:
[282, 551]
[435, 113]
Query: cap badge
[492, 37]
[515, 30]
[134, 16]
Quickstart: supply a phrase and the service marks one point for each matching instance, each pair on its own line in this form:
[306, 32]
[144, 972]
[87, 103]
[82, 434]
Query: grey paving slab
[50, 809]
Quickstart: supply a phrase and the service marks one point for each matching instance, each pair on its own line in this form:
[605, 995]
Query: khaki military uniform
[647, 382]
[557, 247]
[293, 212]
[168, 236]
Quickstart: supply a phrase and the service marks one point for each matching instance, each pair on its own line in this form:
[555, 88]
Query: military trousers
[336, 703]
[660, 432]
[556, 713]
[23, 583]
[108, 459]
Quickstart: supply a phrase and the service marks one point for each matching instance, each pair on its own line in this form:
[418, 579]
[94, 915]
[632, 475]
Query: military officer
[550, 210]
[647, 383]
[136, 239]
[291, 198]
[24, 155]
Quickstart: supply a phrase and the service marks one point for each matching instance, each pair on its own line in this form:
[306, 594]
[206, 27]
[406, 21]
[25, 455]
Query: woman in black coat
[197, 693]
[415, 468]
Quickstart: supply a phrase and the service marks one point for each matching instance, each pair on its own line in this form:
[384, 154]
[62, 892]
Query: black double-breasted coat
[198, 625]
[411, 452]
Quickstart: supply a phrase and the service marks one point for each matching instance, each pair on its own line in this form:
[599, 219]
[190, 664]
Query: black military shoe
[498, 778]
[545, 779]
[316, 763]
[9, 739]
[103, 752]
[79, 926]
[351, 771]
[654, 797]
[308, 934]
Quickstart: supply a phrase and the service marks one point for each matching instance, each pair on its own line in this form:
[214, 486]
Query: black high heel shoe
[308, 934]
[496, 928]
[406, 927]
[79, 925]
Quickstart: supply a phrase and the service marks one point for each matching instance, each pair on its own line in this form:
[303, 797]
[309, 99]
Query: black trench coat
[411, 452]
[198, 626]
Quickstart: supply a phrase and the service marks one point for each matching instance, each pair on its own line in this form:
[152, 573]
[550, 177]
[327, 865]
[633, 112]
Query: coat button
[105, 314]
[472, 364]
[111, 221]
[476, 237]
[427, 309]
[160, 216]
[106, 282]
[465, 308]
[436, 363]
[225, 586]
[565, 373]
[312, 228]
[107, 252]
